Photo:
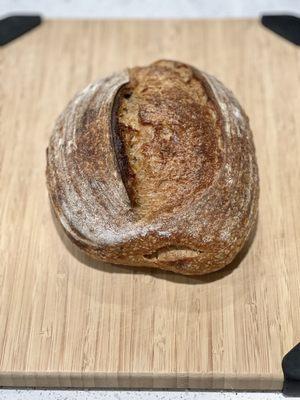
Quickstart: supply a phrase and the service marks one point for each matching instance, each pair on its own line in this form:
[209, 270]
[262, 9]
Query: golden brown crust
[164, 119]
[155, 167]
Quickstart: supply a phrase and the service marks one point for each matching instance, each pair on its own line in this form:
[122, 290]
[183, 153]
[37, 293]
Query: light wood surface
[67, 321]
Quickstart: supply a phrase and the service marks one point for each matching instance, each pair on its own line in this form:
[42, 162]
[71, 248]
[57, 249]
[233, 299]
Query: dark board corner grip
[284, 25]
[14, 26]
[291, 372]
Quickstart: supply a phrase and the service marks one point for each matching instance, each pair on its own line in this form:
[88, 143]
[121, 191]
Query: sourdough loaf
[155, 166]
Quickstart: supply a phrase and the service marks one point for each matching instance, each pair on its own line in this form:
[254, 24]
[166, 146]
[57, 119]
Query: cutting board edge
[123, 380]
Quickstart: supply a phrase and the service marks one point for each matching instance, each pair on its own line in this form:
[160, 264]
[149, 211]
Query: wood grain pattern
[68, 321]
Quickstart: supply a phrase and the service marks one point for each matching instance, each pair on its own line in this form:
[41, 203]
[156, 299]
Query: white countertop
[142, 9]
[149, 8]
[10, 394]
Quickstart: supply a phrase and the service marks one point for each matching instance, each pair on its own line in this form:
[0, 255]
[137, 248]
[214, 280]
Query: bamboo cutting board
[68, 321]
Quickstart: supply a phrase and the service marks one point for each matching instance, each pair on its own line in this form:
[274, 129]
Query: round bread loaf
[155, 166]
